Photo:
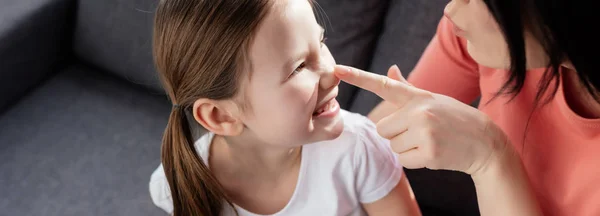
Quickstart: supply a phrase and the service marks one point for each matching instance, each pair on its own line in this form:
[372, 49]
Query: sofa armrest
[34, 42]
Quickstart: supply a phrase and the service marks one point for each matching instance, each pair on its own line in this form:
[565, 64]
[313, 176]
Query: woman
[532, 147]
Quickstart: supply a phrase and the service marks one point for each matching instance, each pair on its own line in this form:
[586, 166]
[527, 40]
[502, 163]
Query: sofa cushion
[33, 43]
[116, 35]
[81, 144]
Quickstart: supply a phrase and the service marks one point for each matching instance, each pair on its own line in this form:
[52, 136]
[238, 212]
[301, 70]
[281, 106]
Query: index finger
[390, 90]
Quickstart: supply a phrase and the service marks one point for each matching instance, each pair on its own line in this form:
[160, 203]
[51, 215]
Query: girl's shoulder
[360, 129]
[355, 123]
[359, 160]
[358, 142]
[357, 129]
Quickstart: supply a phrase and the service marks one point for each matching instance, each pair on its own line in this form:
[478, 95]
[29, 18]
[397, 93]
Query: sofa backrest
[116, 36]
[34, 43]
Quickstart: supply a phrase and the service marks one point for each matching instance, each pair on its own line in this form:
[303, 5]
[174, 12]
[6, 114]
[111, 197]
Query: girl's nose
[327, 80]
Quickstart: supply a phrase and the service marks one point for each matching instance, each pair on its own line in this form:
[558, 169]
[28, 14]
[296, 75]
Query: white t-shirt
[336, 176]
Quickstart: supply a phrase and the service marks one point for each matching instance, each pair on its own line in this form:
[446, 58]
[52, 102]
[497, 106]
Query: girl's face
[291, 79]
[486, 45]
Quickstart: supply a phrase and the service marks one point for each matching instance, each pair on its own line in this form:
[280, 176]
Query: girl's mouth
[331, 108]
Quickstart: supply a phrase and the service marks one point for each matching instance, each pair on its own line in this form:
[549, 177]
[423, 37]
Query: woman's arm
[503, 187]
[399, 202]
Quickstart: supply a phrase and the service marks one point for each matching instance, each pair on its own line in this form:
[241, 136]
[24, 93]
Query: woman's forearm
[503, 189]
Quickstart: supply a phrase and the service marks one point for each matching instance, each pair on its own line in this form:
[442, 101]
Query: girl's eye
[298, 69]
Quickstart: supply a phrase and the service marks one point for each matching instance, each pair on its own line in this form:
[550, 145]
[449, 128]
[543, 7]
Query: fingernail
[349, 70]
[345, 71]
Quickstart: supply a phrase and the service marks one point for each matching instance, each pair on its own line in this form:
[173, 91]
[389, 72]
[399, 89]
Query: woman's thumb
[394, 73]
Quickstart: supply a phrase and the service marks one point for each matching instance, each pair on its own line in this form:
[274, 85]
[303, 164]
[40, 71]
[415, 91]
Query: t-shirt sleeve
[159, 190]
[446, 66]
[377, 170]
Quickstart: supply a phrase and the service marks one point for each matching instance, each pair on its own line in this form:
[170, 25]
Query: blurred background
[82, 112]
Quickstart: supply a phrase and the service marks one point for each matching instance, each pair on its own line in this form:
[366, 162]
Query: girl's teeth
[327, 106]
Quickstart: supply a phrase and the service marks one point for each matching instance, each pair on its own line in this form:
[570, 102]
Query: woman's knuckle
[384, 82]
[426, 112]
[428, 133]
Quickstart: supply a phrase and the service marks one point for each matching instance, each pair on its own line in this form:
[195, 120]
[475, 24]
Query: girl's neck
[235, 157]
[258, 178]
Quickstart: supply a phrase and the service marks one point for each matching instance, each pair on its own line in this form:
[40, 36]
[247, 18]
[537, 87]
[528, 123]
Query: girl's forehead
[285, 31]
[287, 17]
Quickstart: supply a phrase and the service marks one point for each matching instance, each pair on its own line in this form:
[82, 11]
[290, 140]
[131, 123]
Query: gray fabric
[32, 38]
[352, 30]
[116, 35]
[409, 26]
[81, 144]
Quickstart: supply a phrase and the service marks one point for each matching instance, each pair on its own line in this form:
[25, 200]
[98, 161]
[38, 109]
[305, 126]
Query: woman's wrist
[502, 159]
[503, 187]
[500, 165]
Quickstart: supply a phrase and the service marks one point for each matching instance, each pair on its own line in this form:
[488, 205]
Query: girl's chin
[332, 130]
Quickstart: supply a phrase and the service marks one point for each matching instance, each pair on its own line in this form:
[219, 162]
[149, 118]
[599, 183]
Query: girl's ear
[217, 117]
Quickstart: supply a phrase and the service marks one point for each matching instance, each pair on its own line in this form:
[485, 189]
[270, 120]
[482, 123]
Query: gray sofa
[82, 114]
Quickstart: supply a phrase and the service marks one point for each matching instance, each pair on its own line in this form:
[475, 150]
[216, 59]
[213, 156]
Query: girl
[256, 75]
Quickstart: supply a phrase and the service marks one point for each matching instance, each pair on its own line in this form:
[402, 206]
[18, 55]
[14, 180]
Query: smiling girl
[256, 75]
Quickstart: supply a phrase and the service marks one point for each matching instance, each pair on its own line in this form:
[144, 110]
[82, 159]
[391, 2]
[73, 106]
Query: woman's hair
[200, 49]
[563, 28]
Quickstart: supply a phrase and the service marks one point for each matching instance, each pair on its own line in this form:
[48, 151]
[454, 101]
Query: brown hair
[200, 49]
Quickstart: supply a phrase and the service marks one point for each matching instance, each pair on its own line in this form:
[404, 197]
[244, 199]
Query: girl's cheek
[302, 91]
[307, 91]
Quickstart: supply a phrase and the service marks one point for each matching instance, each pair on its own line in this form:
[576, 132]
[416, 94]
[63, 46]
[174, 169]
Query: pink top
[561, 150]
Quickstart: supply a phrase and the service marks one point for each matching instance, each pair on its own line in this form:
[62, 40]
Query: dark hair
[563, 29]
[200, 49]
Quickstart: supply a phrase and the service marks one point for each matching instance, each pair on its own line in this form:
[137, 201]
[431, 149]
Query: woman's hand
[437, 132]
[431, 130]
